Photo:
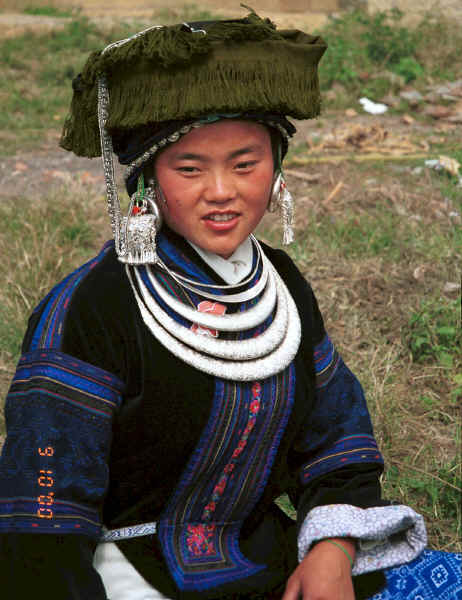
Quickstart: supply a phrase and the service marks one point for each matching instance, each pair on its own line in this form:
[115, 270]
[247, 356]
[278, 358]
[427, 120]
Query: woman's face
[217, 181]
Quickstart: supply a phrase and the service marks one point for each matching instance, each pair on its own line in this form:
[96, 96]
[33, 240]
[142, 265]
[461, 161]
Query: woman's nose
[220, 188]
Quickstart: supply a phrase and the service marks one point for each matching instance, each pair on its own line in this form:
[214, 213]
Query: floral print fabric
[387, 535]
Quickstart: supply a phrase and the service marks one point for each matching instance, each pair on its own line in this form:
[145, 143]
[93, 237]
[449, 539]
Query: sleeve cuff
[386, 535]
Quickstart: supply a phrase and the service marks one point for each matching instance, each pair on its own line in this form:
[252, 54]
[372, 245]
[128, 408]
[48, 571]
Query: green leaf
[446, 330]
[445, 359]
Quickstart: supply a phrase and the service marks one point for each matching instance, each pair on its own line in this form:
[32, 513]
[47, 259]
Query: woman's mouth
[220, 217]
[221, 221]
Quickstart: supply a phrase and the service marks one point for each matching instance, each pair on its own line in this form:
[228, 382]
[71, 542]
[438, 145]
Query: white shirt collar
[233, 269]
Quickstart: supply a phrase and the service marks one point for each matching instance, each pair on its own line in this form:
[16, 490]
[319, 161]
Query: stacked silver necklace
[239, 360]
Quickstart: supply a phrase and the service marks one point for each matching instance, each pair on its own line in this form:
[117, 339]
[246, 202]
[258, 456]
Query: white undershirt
[232, 269]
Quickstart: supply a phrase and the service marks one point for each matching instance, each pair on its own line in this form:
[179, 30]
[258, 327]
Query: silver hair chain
[108, 165]
[135, 234]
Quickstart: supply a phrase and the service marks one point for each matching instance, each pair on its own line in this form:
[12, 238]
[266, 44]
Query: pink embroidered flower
[236, 452]
[200, 539]
[210, 549]
[208, 307]
[248, 429]
[242, 444]
[220, 487]
[255, 407]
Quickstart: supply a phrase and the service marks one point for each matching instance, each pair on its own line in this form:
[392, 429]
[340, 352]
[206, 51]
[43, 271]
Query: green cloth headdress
[186, 71]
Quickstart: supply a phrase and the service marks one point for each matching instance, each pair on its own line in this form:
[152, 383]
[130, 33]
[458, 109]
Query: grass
[38, 69]
[375, 54]
[41, 242]
[48, 10]
[37, 76]
[379, 254]
[189, 13]
[380, 276]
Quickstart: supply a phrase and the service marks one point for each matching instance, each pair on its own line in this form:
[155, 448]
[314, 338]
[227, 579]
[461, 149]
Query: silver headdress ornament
[135, 234]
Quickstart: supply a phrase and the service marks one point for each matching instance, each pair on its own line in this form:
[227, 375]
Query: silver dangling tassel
[139, 230]
[281, 199]
[287, 210]
[135, 234]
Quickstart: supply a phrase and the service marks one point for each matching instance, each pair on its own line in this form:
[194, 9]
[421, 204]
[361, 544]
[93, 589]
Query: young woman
[172, 388]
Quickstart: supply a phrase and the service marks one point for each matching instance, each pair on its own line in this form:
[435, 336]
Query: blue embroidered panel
[326, 362]
[53, 467]
[433, 575]
[49, 330]
[345, 451]
[223, 481]
[339, 431]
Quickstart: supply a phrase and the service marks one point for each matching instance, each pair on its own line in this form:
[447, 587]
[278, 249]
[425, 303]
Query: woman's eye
[188, 169]
[248, 164]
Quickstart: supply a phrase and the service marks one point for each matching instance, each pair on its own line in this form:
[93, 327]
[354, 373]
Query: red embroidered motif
[208, 307]
[200, 539]
[218, 490]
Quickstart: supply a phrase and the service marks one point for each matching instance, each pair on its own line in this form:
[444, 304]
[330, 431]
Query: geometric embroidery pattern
[224, 479]
[53, 468]
[433, 575]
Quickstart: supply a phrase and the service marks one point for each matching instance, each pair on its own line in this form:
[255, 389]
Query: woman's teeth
[226, 217]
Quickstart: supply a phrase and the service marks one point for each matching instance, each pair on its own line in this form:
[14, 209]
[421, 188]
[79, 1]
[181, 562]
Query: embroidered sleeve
[386, 535]
[53, 468]
[338, 458]
[339, 430]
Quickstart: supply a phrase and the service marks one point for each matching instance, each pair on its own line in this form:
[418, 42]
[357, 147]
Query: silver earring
[275, 197]
[140, 227]
[160, 194]
[281, 199]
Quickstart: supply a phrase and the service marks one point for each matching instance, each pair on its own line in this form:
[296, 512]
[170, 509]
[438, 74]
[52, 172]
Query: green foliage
[386, 41]
[456, 392]
[434, 333]
[438, 48]
[37, 71]
[49, 11]
[11, 333]
[363, 46]
[441, 487]
[41, 242]
[408, 68]
[365, 235]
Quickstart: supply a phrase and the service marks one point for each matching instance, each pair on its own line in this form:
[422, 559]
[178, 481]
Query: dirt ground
[50, 167]
[12, 22]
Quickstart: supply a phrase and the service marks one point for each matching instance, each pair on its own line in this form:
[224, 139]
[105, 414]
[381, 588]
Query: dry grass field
[378, 232]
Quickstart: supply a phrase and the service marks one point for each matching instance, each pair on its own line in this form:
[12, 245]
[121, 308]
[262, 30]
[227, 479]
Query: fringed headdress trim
[179, 73]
